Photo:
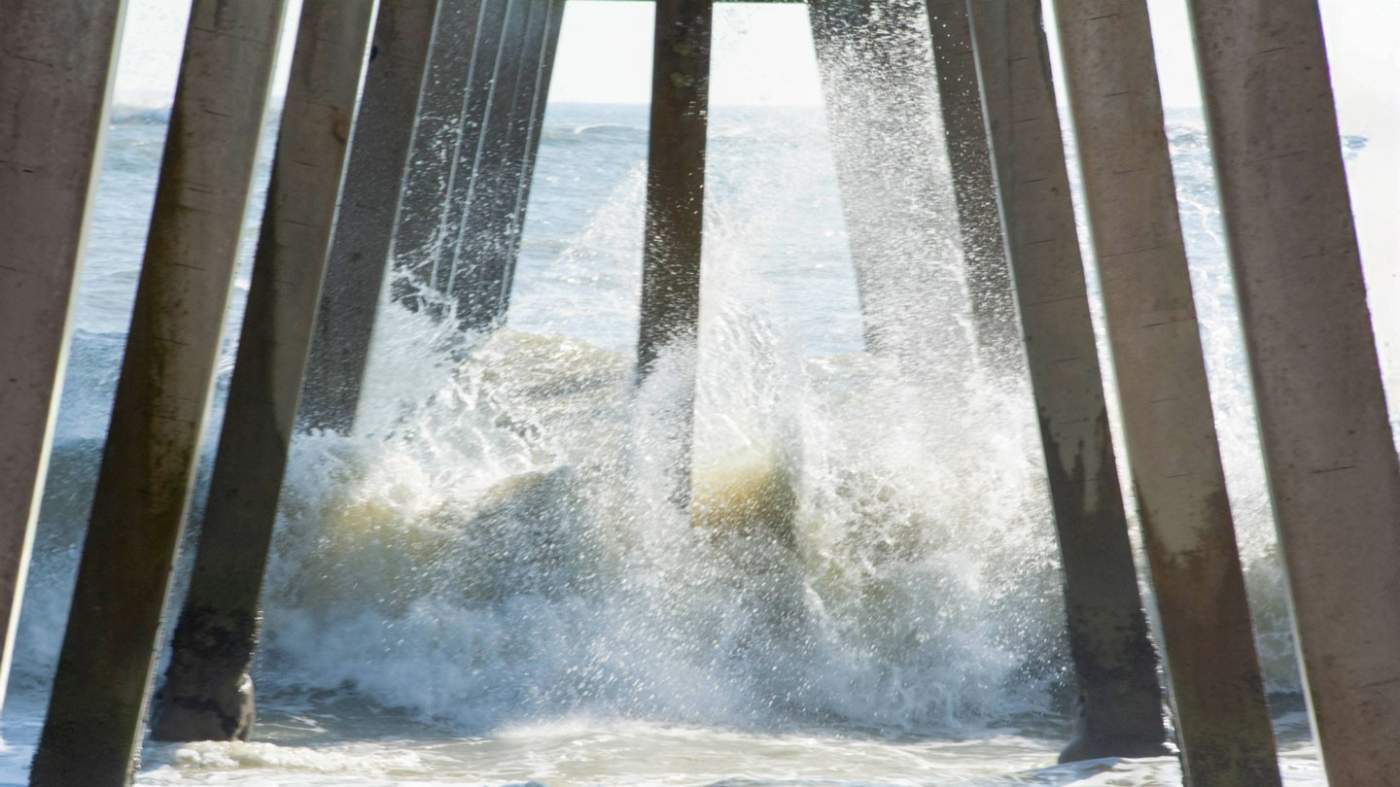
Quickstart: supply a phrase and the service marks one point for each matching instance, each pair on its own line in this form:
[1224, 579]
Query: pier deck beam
[1328, 447]
[484, 260]
[56, 68]
[401, 48]
[1222, 719]
[675, 199]
[1120, 699]
[207, 694]
[93, 729]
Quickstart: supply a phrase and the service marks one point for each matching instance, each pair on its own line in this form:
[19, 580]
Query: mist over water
[487, 584]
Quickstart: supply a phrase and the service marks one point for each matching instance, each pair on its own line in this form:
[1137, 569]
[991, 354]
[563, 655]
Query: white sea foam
[486, 584]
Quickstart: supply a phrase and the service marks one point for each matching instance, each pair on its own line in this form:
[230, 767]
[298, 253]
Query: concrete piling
[483, 252]
[422, 226]
[489, 55]
[974, 187]
[1222, 719]
[207, 692]
[56, 68]
[400, 51]
[877, 69]
[675, 198]
[1328, 446]
[93, 728]
[1120, 711]
[435, 167]
[539, 101]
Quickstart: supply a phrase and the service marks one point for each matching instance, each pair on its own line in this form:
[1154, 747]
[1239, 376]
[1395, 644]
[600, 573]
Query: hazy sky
[763, 54]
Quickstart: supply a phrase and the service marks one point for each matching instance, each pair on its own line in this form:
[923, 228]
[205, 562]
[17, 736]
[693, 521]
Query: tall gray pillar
[1120, 710]
[876, 65]
[207, 693]
[539, 101]
[1327, 440]
[93, 729]
[1222, 719]
[379, 152]
[422, 226]
[491, 54]
[483, 252]
[675, 206]
[974, 187]
[56, 60]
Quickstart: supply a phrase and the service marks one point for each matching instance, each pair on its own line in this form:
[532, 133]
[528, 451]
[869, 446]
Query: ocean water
[485, 583]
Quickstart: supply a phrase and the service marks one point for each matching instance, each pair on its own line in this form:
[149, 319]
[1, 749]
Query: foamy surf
[585, 751]
[484, 586]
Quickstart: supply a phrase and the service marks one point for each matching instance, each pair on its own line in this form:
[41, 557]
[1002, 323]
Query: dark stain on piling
[1120, 698]
[1217, 693]
[207, 693]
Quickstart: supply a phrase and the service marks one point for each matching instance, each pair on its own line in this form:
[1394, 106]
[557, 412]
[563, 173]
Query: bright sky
[763, 54]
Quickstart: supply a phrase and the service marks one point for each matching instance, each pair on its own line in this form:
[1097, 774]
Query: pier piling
[409, 138]
[422, 227]
[93, 729]
[207, 693]
[56, 69]
[525, 156]
[1328, 446]
[1222, 719]
[990, 291]
[489, 55]
[675, 197]
[876, 66]
[400, 50]
[483, 254]
[1120, 711]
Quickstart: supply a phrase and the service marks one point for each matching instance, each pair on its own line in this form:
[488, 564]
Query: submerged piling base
[1088, 744]
[208, 694]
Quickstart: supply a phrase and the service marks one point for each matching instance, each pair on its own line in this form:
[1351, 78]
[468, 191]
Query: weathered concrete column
[483, 252]
[1222, 719]
[974, 187]
[675, 208]
[1327, 439]
[93, 728]
[400, 51]
[876, 65]
[207, 694]
[1120, 700]
[56, 61]
[539, 101]
[420, 233]
[489, 56]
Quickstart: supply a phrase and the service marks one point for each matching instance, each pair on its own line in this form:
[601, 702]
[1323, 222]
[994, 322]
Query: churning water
[485, 584]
